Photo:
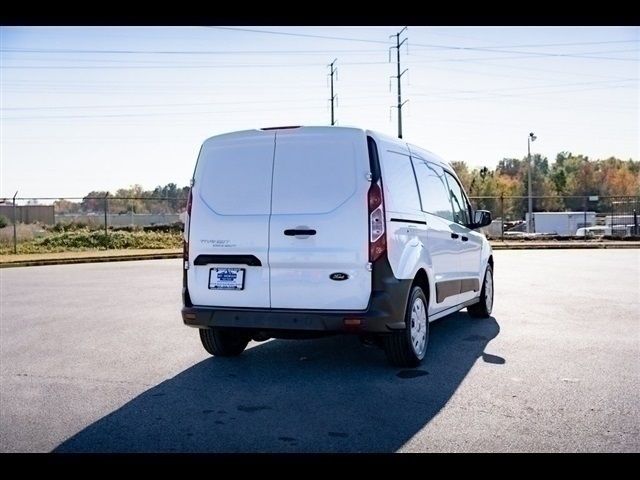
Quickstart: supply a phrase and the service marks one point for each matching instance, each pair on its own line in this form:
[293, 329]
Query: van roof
[290, 129]
[268, 130]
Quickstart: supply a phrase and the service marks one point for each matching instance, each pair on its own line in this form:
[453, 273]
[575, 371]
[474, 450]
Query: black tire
[224, 343]
[483, 308]
[399, 347]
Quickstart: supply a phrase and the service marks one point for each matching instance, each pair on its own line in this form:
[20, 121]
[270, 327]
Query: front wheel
[224, 342]
[482, 309]
[407, 347]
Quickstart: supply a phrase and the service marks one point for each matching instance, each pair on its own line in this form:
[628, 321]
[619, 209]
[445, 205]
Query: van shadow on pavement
[327, 395]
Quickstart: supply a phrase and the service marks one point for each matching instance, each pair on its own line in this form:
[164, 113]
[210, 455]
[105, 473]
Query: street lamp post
[530, 138]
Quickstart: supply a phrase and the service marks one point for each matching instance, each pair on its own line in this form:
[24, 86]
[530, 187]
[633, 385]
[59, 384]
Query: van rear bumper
[385, 312]
[371, 320]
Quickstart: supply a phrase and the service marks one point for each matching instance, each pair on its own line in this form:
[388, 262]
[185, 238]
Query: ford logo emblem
[338, 276]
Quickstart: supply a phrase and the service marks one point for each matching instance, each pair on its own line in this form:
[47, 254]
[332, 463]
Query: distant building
[28, 213]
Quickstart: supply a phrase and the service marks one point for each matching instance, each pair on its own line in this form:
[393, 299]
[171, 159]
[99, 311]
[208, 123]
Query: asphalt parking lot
[94, 357]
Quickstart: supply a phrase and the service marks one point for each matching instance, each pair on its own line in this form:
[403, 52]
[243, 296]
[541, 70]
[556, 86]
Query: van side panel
[443, 250]
[320, 184]
[230, 217]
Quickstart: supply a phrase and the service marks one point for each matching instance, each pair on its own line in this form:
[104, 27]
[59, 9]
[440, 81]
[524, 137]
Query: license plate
[226, 279]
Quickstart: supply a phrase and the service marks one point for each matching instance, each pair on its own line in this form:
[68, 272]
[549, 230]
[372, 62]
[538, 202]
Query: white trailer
[561, 223]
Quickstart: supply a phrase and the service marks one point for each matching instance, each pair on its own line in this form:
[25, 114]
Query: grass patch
[24, 233]
[85, 239]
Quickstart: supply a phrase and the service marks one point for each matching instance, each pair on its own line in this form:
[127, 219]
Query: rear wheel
[407, 347]
[224, 342]
[483, 308]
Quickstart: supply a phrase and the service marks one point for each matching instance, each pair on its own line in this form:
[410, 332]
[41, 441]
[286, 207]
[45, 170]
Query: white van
[295, 232]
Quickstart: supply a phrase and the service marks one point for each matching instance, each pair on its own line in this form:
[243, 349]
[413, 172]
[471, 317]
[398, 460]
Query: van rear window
[235, 177]
[314, 176]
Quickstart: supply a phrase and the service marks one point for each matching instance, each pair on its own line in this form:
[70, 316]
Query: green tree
[463, 173]
[93, 201]
[559, 179]
[510, 167]
[65, 206]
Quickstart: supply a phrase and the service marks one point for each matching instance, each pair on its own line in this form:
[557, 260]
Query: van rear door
[229, 232]
[319, 222]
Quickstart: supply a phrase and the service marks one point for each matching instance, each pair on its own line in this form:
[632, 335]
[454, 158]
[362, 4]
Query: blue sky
[96, 108]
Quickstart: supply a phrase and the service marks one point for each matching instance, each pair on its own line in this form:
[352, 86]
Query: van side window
[458, 201]
[399, 180]
[433, 189]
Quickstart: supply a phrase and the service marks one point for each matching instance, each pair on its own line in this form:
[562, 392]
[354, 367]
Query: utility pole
[334, 71]
[530, 138]
[15, 220]
[106, 211]
[399, 77]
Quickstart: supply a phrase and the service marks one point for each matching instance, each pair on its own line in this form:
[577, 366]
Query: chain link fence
[22, 219]
[562, 216]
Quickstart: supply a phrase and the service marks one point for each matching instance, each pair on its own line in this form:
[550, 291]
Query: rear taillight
[377, 238]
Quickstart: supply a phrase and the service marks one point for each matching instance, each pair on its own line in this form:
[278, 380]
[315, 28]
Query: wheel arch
[421, 280]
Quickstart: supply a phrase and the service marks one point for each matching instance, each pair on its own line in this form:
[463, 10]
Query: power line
[445, 95]
[491, 48]
[184, 52]
[529, 54]
[63, 107]
[496, 49]
[147, 105]
[159, 114]
[305, 35]
[533, 87]
[289, 65]
[501, 75]
[158, 65]
[534, 45]
[520, 96]
[141, 64]
[124, 67]
[514, 57]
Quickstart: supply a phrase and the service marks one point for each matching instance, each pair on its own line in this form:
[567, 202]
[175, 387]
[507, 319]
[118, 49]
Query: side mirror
[481, 218]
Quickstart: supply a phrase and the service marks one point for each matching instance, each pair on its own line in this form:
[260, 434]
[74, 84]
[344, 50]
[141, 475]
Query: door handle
[294, 232]
[464, 239]
[454, 235]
